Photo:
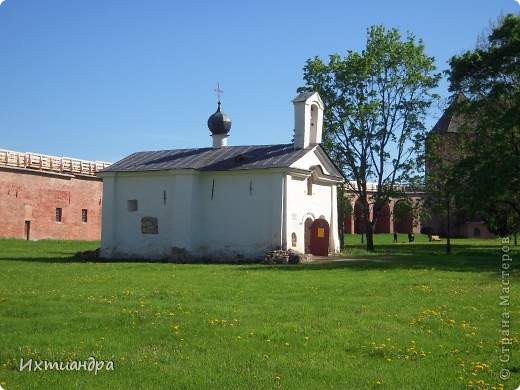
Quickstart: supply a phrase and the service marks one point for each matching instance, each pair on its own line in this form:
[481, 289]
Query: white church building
[225, 203]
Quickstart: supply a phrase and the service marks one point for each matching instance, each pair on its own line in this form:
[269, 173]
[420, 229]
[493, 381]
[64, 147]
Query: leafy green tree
[376, 104]
[489, 174]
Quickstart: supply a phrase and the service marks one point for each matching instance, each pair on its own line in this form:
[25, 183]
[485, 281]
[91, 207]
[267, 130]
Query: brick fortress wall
[30, 195]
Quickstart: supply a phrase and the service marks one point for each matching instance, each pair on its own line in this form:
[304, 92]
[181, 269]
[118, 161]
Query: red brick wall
[30, 195]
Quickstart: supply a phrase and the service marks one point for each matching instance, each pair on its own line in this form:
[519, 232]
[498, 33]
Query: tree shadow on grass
[45, 259]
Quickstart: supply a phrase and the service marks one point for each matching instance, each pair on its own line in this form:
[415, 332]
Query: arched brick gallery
[403, 216]
[383, 220]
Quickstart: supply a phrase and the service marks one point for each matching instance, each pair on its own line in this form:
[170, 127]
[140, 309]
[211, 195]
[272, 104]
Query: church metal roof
[212, 159]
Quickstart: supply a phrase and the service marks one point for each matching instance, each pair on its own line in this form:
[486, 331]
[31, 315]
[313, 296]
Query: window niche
[59, 214]
[84, 215]
[294, 239]
[309, 186]
[131, 205]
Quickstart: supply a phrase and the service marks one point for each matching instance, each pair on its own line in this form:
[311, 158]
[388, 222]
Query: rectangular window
[59, 214]
[84, 215]
[309, 186]
[131, 205]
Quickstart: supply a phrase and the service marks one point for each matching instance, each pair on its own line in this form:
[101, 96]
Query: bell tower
[308, 120]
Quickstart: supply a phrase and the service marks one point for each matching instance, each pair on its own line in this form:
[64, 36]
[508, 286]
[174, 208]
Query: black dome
[219, 123]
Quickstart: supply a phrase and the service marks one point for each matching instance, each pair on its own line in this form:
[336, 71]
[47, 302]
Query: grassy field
[409, 317]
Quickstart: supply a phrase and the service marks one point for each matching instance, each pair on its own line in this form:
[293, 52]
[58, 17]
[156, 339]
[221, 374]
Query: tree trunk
[370, 235]
[341, 218]
[448, 242]
[369, 227]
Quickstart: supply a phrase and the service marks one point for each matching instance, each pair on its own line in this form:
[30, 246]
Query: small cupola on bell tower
[219, 124]
[308, 120]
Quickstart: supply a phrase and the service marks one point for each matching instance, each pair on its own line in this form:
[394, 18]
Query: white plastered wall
[241, 213]
[301, 205]
[214, 215]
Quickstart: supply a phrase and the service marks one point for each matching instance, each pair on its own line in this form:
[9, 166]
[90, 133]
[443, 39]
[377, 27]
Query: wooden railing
[50, 163]
[372, 187]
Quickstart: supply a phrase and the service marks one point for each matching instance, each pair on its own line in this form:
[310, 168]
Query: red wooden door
[320, 237]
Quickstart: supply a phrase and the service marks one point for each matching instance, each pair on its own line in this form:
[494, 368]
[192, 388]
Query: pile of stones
[88, 255]
[281, 256]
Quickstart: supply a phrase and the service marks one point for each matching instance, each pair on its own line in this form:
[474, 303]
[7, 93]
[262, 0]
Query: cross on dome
[219, 92]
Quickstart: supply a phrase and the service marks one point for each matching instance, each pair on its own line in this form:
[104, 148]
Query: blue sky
[99, 80]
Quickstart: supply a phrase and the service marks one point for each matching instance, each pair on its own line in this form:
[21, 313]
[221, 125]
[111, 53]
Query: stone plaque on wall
[149, 225]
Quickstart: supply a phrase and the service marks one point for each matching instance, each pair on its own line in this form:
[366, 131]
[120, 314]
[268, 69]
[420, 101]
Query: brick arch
[383, 220]
[403, 216]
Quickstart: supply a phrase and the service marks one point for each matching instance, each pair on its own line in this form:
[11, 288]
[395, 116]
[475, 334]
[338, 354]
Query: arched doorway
[307, 235]
[403, 216]
[476, 232]
[319, 243]
[383, 220]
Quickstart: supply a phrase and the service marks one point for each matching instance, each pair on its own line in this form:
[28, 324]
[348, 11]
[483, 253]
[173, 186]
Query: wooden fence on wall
[50, 163]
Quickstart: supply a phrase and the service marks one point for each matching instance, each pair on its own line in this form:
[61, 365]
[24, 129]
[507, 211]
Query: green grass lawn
[421, 320]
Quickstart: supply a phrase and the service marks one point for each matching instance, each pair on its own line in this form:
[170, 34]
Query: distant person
[395, 237]
[409, 237]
